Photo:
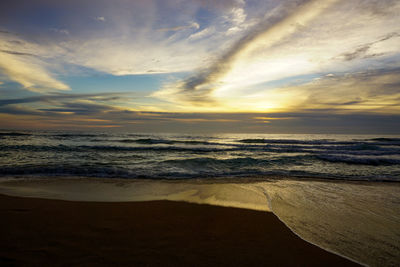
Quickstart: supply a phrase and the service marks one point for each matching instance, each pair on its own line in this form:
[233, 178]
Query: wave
[255, 142]
[67, 170]
[212, 163]
[292, 141]
[187, 169]
[359, 160]
[249, 162]
[14, 134]
[151, 141]
[235, 163]
[385, 139]
[34, 148]
[163, 172]
[121, 172]
[332, 156]
[364, 142]
[74, 135]
[367, 150]
[155, 148]
[114, 149]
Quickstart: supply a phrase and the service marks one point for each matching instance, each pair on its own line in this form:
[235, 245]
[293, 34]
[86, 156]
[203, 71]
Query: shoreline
[357, 221]
[153, 233]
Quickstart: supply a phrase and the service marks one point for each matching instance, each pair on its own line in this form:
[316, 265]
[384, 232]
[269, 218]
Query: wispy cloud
[59, 97]
[17, 53]
[100, 18]
[201, 34]
[193, 25]
[60, 31]
[29, 74]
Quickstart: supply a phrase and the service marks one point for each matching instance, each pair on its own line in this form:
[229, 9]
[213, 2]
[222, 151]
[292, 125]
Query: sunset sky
[263, 66]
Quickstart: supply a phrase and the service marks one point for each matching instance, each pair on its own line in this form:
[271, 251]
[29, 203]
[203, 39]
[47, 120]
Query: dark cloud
[388, 36]
[16, 110]
[362, 50]
[17, 53]
[86, 108]
[358, 53]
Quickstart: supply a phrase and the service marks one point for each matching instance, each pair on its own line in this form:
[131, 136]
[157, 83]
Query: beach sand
[43, 232]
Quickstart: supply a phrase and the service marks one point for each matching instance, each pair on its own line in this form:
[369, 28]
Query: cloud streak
[21, 62]
[58, 97]
[194, 25]
[29, 74]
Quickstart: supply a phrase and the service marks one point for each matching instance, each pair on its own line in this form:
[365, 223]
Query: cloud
[61, 31]
[280, 23]
[81, 108]
[362, 50]
[202, 34]
[224, 5]
[17, 53]
[374, 91]
[29, 74]
[55, 98]
[135, 33]
[62, 110]
[194, 25]
[100, 18]
[21, 62]
[20, 110]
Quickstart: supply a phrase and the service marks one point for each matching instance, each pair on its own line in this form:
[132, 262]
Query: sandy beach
[43, 232]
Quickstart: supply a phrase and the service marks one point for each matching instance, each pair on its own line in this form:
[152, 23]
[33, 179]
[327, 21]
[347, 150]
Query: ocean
[183, 156]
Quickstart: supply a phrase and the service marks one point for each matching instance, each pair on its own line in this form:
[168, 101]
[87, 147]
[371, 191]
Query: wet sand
[43, 232]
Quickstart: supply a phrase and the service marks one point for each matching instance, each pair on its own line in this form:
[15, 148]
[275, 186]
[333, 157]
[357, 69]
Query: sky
[250, 66]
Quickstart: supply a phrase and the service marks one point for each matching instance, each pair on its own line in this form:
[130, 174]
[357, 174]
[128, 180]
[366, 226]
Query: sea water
[178, 156]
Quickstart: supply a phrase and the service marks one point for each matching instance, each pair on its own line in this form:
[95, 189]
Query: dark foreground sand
[39, 232]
